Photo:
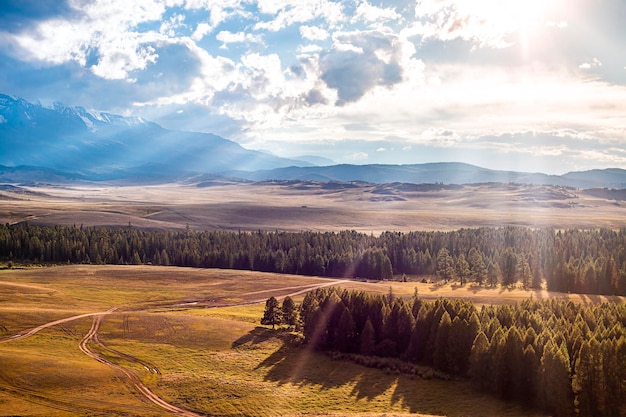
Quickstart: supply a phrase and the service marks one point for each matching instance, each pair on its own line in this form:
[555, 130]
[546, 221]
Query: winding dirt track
[134, 380]
[54, 323]
[92, 336]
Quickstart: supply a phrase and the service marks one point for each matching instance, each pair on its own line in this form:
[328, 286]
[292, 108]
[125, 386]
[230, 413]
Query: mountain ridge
[437, 172]
[72, 139]
[65, 144]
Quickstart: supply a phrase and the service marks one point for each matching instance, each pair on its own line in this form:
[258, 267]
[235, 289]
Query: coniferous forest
[581, 261]
[554, 355]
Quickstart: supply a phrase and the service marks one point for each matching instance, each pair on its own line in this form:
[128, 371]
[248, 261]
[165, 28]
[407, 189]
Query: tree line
[582, 261]
[561, 357]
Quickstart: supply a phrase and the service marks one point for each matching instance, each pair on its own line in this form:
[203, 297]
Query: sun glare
[524, 18]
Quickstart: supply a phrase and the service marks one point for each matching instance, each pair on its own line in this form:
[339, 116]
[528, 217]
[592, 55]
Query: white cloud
[381, 149]
[358, 156]
[369, 13]
[407, 148]
[311, 49]
[313, 33]
[171, 26]
[288, 12]
[227, 37]
[201, 31]
[105, 31]
[595, 63]
[219, 12]
[2, 119]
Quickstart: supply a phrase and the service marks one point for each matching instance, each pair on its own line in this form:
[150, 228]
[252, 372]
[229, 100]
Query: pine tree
[440, 358]
[462, 269]
[530, 375]
[612, 384]
[508, 365]
[346, 332]
[477, 266]
[368, 339]
[508, 267]
[585, 380]
[555, 381]
[479, 361]
[405, 325]
[272, 313]
[493, 274]
[445, 264]
[289, 312]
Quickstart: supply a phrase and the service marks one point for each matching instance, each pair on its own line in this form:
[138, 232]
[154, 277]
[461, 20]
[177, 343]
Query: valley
[307, 205]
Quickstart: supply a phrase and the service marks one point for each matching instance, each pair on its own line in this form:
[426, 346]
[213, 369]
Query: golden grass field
[192, 337]
[310, 206]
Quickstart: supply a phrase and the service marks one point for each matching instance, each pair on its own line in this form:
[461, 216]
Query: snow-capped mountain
[73, 139]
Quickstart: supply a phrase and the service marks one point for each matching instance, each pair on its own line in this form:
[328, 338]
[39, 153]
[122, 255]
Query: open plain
[296, 205]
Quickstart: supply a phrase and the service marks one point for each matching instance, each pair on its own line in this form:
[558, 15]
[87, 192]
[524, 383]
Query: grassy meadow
[178, 331]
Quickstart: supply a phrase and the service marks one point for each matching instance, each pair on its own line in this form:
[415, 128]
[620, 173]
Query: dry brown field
[311, 206]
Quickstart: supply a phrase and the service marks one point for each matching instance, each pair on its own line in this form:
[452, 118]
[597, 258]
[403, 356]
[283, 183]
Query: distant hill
[103, 145]
[315, 160]
[444, 172]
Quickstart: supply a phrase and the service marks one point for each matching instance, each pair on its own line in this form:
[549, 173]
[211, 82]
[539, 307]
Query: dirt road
[92, 337]
[131, 378]
[54, 323]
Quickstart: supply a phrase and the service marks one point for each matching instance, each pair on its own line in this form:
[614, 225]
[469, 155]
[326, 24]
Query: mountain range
[63, 144]
[105, 145]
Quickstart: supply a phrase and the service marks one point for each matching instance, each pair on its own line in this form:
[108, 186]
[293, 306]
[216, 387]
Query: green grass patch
[249, 313]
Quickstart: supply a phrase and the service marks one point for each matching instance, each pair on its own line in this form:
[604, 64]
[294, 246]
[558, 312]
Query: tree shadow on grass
[293, 362]
[299, 364]
[254, 337]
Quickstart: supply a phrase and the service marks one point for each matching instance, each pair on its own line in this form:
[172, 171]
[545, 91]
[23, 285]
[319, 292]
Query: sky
[526, 85]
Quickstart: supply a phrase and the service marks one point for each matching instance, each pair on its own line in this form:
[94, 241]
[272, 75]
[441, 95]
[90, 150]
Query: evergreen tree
[508, 265]
[445, 264]
[440, 358]
[523, 271]
[508, 366]
[530, 375]
[477, 266]
[612, 383]
[289, 312]
[346, 332]
[462, 269]
[405, 324]
[368, 339]
[585, 380]
[493, 274]
[479, 362]
[272, 313]
[555, 381]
